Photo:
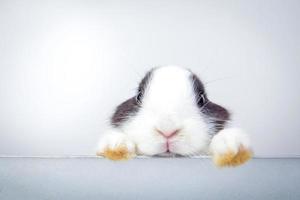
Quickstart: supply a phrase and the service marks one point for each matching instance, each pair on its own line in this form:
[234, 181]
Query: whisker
[202, 107]
[218, 120]
[218, 79]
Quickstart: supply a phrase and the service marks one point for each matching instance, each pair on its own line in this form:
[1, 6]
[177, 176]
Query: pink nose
[168, 134]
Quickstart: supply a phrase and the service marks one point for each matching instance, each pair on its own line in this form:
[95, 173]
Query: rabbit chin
[181, 145]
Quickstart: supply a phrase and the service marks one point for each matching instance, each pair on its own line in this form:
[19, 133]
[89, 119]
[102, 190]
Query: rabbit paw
[116, 146]
[230, 147]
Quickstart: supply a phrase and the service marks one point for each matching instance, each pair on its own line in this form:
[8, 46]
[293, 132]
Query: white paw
[115, 145]
[230, 147]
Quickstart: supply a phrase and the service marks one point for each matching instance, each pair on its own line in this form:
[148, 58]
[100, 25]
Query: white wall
[64, 65]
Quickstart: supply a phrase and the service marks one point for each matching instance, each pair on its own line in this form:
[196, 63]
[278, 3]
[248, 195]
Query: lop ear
[216, 114]
[131, 106]
[216, 111]
[125, 110]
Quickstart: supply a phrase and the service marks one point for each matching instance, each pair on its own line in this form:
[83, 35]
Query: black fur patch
[200, 94]
[215, 114]
[143, 86]
[126, 109]
[130, 107]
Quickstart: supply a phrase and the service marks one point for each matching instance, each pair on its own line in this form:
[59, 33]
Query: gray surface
[157, 178]
[64, 66]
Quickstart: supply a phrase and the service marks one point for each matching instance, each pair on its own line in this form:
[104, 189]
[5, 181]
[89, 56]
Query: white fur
[168, 105]
[114, 138]
[230, 139]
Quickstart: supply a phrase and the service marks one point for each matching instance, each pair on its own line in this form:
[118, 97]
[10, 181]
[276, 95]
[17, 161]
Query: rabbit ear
[130, 107]
[214, 112]
[125, 110]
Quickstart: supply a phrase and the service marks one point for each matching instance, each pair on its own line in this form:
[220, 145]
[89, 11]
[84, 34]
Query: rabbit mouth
[169, 146]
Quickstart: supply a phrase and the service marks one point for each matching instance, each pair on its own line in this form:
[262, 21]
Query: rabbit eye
[138, 97]
[201, 100]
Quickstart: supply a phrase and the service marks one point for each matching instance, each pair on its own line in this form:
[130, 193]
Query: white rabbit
[171, 114]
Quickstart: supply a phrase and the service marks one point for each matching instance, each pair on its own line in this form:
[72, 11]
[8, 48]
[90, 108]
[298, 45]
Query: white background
[65, 65]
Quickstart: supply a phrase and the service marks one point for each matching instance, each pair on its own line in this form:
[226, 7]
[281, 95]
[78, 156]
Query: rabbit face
[170, 114]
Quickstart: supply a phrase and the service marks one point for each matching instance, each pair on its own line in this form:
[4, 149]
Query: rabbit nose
[168, 134]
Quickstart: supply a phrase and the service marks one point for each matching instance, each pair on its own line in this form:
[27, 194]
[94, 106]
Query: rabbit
[171, 114]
